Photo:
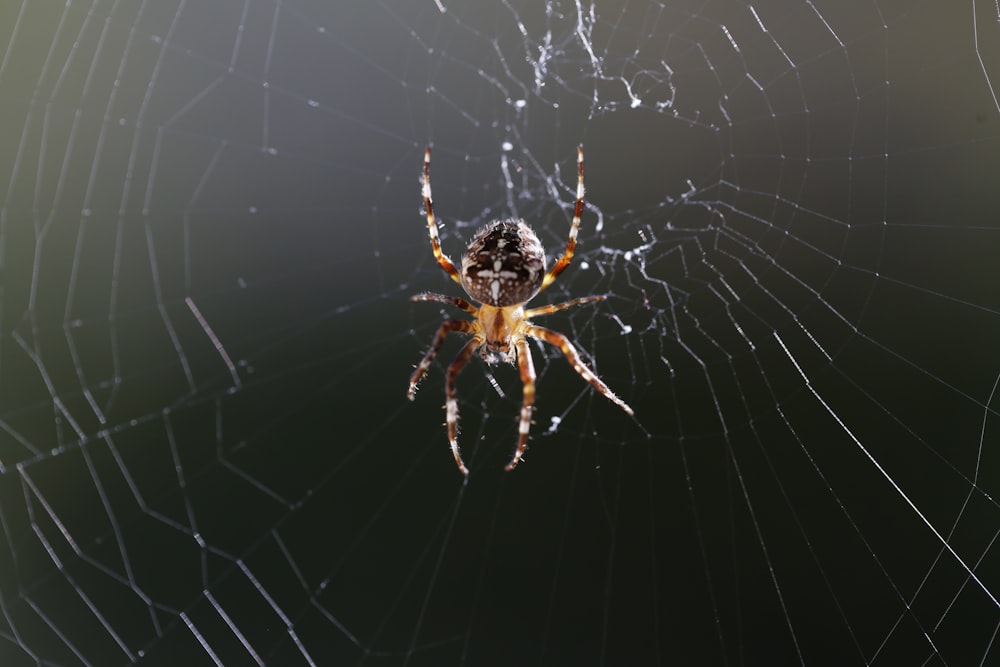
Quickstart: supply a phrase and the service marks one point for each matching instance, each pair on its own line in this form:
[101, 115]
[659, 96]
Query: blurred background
[210, 228]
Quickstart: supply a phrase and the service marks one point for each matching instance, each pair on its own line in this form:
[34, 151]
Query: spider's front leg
[527, 369]
[573, 357]
[446, 327]
[451, 404]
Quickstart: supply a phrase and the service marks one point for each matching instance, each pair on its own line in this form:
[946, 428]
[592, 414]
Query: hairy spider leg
[446, 327]
[573, 357]
[567, 255]
[451, 404]
[527, 369]
[432, 229]
[444, 298]
[555, 307]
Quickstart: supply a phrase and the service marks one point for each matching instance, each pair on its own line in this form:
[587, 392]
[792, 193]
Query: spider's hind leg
[574, 228]
[456, 301]
[442, 259]
[556, 307]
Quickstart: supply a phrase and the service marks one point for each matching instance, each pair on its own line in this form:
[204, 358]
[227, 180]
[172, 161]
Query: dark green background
[816, 289]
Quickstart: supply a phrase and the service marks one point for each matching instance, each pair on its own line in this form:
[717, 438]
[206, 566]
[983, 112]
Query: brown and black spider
[503, 269]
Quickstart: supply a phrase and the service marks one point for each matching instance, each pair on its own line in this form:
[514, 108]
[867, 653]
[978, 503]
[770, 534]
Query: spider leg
[432, 229]
[560, 341]
[451, 405]
[446, 327]
[545, 310]
[444, 298]
[567, 255]
[527, 369]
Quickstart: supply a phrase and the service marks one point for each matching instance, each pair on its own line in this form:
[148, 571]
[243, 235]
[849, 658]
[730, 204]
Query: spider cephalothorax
[503, 268]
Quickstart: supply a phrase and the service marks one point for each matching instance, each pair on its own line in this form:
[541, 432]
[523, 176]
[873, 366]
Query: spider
[502, 269]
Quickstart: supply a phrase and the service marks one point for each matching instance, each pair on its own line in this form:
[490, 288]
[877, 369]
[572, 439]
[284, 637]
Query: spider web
[210, 227]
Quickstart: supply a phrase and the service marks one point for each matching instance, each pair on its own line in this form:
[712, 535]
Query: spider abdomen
[504, 264]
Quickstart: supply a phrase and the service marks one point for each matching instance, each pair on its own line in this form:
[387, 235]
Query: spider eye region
[504, 264]
[497, 353]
